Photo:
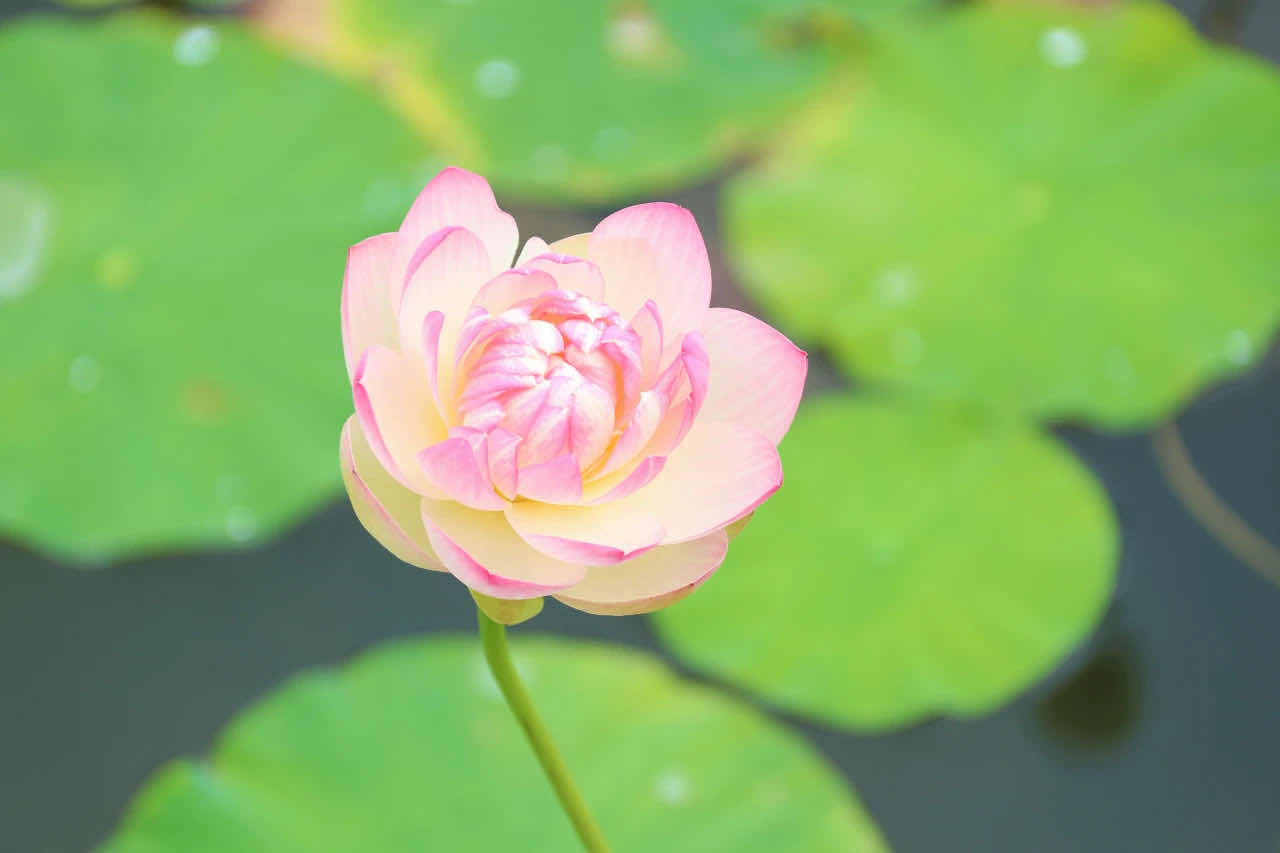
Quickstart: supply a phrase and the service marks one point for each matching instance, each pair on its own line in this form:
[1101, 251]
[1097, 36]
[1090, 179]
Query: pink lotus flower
[580, 425]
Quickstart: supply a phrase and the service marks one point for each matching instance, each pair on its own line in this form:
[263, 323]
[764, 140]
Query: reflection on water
[1102, 703]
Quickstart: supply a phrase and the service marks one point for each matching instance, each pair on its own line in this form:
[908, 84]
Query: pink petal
[482, 551]
[693, 352]
[396, 413]
[445, 276]
[651, 581]
[641, 475]
[647, 324]
[591, 535]
[455, 469]
[757, 375]
[639, 431]
[654, 251]
[501, 453]
[456, 197]
[556, 481]
[683, 385]
[368, 316]
[571, 273]
[390, 512]
[719, 473]
[512, 286]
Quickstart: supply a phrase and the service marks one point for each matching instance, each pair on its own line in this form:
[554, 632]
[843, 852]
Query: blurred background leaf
[914, 562]
[168, 303]
[1063, 212]
[584, 100]
[412, 747]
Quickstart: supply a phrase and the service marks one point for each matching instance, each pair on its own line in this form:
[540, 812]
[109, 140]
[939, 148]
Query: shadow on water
[1100, 705]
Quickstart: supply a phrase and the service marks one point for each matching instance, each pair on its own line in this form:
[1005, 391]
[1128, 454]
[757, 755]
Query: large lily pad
[914, 562]
[1059, 211]
[582, 99]
[183, 199]
[412, 748]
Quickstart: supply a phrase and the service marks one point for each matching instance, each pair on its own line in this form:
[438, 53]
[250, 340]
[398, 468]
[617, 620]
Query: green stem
[494, 638]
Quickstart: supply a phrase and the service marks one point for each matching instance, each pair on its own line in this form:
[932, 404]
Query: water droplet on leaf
[85, 374]
[633, 33]
[612, 143]
[242, 524]
[1120, 367]
[196, 45]
[1238, 347]
[551, 162]
[672, 787]
[895, 286]
[1063, 47]
[497, 78]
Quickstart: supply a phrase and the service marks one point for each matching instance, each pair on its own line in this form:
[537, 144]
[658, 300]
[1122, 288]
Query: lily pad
[581, 99]
[184, 197]
[915, 562]
[1058, 211]
[412, 748]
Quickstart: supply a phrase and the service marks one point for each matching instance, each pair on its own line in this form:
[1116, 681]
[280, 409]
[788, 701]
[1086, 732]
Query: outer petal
[654, 251]
[482, 551]
[591, 535]
[454, 468]
[651, 581]
[719, 473]
[393, 403]
[613, 488]
[368, 315]
[388, 510]
[445, 276]
[756, 374]
[458, 197]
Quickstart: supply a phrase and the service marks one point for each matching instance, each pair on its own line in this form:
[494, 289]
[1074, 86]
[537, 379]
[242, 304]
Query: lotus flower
[580, 424]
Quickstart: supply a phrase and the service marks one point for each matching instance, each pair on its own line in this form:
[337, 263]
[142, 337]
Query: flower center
[556, 371]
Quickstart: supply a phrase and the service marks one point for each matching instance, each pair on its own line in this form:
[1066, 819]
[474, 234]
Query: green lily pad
[1058, 211]
[412, 748]
[915, 562]
[184, 197]
[588, 100]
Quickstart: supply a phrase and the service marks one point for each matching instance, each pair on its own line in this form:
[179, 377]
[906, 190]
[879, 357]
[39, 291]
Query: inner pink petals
[647, 324]
[513, 286]
[455, 467]
[571, 273]
[556, 481]
[546, 384]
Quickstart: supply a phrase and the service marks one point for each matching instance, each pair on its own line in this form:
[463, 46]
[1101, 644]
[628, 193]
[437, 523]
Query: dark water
[1163, 733]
